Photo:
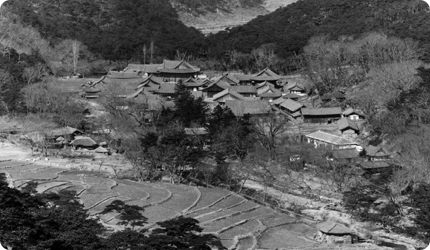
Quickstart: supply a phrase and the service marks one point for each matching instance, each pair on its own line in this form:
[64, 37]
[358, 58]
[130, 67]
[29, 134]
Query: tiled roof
[166, 88]
[169, 66]
[291, 105]
[345, 123]
[330, 138]
[240, 108]
[151, 79]
[350, 111]
[264, 78]
[193, 83]
[263, 84]
[269, 91]
[243, 78]
[376, 151]
[279, 100]
[219, 83]
[322, 111]
[262, 90]
[267, 72]
[123, 75]
[227, 92]
[244, 89]
[294, 86]
[292, 96]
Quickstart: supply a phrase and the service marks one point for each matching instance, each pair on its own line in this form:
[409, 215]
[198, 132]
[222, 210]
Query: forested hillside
[112, 29]
[290, 28]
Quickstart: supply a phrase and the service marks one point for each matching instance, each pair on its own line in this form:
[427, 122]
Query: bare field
[231, 216]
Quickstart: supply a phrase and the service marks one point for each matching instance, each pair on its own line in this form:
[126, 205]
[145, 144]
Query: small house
[295, 88]
[348, 127]
[68, 133]
[325, 139]
[332, 233]
[321, 115]
[353, 114]
[291, 107]
[377, 153]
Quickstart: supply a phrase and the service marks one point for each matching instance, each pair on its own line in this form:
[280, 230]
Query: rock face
[222, 14]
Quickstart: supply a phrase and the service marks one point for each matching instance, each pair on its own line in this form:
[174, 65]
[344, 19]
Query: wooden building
[168, 71]
[321, 115]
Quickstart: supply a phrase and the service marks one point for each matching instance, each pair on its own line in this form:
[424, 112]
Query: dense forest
[290, 28]
[118, 30]
[111, 29]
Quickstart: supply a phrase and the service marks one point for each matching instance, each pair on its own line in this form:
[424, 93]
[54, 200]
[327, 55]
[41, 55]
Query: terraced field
[240, 223]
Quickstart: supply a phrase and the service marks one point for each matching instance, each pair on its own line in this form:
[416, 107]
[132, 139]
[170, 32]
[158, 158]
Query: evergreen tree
[189, 110]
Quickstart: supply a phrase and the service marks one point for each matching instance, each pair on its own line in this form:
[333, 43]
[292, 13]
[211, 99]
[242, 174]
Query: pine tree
[189, 110]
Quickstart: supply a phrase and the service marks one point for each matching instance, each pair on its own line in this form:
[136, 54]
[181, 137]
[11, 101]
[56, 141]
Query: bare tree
[268, 130]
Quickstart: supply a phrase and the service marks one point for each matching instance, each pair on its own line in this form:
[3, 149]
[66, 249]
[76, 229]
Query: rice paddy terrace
[240, 223]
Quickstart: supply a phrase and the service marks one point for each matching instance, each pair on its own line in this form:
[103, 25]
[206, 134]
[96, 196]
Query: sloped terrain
[240, 223]
[220, 15]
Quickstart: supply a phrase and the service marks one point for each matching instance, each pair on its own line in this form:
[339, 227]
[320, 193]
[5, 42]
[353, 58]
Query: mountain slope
[216, 15]
[291, 27]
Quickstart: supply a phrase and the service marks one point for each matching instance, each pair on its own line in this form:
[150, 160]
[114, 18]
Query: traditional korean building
[193, 84]
[168, 71]
[295, 88]
[166, 90]
[151, 83]
[268, 92]
[246, 91]
[321, 115]
[215, 88]
[353, 114]
[226, 95]
[253, 108]
[291, 107]
[348, 127]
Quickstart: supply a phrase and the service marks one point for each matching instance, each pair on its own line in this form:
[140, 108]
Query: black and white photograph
[214, 124]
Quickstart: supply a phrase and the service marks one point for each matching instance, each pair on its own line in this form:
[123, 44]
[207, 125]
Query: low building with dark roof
[347, 126]
[227, 94]
[353, 114]
[268, 92]
[377, 153]
[253, 108]
[244, 90]
[166, 90]
[321, 115]
[291, 106]
[295, 88]
[193, 84]
[215, 88]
